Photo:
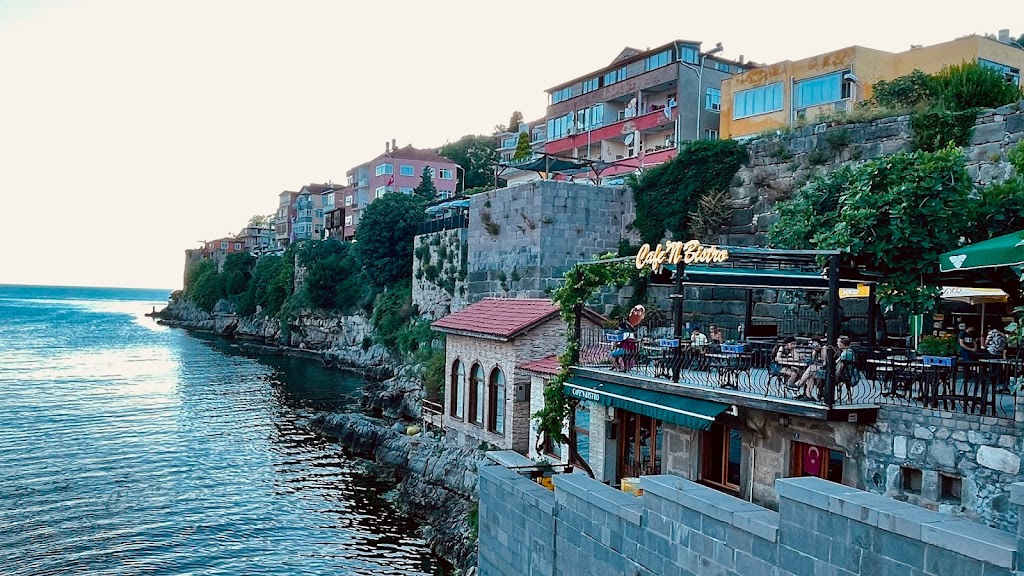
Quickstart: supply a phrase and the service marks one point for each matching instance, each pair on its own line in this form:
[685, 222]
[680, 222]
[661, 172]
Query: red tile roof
[549, 366]
[410, 153]
[503, 318]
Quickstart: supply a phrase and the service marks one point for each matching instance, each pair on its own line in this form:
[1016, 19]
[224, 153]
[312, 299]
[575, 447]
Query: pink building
[396, 170]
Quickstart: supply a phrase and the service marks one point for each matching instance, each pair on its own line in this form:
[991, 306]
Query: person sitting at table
[995, 343]
[715, 335]
[812, 377]
[785, 357]
[968, 346]
[698, 338]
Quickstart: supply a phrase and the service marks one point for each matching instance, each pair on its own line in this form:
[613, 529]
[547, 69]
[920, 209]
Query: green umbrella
[1005, 250]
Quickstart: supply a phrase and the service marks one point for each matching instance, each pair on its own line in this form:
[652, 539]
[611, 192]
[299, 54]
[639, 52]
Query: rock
[999, 459]
[923, 433]
[943, 454]
[917, 449]
[899, 447]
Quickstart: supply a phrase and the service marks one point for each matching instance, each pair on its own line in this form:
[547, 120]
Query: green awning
[688, 412]
[1005, 250]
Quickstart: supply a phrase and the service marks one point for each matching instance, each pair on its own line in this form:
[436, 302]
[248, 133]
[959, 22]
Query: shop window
[496, 402]
[582, 429]
[721, 457]
[950, 487]
[911, 480]
[811, 460]
[456, 388]
[641, 445]
[551, 449]
[476, 395]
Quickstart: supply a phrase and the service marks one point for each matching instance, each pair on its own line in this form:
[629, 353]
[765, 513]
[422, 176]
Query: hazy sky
[132, 129]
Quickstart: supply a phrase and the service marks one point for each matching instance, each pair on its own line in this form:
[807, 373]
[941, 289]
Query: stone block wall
[522, 239]
[678, 527]
[439, 273]
[911, 445]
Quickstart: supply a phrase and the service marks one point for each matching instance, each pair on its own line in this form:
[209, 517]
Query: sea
[131, 448]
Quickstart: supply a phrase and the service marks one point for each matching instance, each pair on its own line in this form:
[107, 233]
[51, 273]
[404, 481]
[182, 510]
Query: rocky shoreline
[437, 482]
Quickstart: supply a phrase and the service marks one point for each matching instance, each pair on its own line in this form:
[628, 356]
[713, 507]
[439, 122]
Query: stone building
[486, 399]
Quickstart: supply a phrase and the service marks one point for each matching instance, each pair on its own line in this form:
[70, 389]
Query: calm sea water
[129, 448]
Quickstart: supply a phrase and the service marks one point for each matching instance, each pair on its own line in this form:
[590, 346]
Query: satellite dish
[629, 139]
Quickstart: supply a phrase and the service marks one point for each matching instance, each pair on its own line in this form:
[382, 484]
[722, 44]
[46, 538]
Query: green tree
[972, 85]
[904, 91]
[259, 221]
[426, 189]
[334, 280]
[205, 285]
[894, 215]
[666, 195]
[513, 122]
[523, 150]
[384, 237]
[476, 156]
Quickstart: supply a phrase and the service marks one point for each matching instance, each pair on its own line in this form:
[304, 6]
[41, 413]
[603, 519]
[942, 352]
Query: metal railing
[877, 376]
[441, 224]
[433, 415]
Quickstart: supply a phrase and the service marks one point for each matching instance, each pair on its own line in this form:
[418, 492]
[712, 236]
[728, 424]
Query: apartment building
[506, 144]
[396, 170]
[284, 217]
[792, 91]
[256, 239]
[309, 211]
[633, 112]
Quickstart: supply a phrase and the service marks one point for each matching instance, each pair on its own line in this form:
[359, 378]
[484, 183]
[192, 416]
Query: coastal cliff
[437, 480]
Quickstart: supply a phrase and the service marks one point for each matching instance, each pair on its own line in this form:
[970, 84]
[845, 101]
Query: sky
[131, 130]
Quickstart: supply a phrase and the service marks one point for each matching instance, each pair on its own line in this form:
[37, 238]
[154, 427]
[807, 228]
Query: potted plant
[938, 350]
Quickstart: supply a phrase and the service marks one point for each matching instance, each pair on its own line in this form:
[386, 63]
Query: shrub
[970, 85]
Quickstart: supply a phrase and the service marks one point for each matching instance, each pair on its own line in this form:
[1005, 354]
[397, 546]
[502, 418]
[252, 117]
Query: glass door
[640, 445]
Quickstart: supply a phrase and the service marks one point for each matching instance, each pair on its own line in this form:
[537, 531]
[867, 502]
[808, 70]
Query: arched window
[457, 388]
[476, 395]
[496, 402]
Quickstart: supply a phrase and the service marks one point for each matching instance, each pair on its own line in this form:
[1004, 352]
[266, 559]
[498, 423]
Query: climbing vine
[581, 282]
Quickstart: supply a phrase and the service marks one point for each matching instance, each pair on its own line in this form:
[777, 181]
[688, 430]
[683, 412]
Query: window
[351, 179]
[223, 245]
[591, 85]
[560, 127]
[348, 220]
[810, 460]
[658, 60]
[238, 246]
[380, 191]
[950, 488]
[385, 168]
[757, 101]
[615, 76]
[689, 54]
[590, 118]
[911, 480]
[713, 99]
[455, 387]
[476, 395]
[509, 143]
[583, 431]
[430, 170]
[721, 456]
[330, 200]
[561, 95]
[1012, 75]
[496, 402]
[444, 194]
[405, 189]
[348, 200]
[640, 445]
[553, 449]
[444, 173]
[816, 91]
[710, 134]
[406, 170]
[721, 66]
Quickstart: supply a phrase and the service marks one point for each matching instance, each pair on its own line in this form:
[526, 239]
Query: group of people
[808, 383]
[992, 345]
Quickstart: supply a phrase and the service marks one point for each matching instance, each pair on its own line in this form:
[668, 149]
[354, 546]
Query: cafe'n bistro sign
[690, 252]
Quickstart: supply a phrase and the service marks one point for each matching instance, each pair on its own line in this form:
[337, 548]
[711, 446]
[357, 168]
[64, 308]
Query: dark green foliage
[434, 374]
[334, 278]
[392, 317]
[205, 285]
[894, 215]
[904, 92]
[666, 194]
[475, 154]
[514, 120]
[270, 286]
[426, 189]
[973, 85]
[937, 128]
[522, 147]
[234, 283]
[237, 272]
[385, 235]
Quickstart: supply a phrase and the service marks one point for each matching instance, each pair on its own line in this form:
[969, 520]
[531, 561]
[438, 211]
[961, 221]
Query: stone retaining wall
[439, 273]
[681, 528]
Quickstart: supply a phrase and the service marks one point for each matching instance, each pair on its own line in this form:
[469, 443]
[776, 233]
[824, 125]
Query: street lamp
[700, 95]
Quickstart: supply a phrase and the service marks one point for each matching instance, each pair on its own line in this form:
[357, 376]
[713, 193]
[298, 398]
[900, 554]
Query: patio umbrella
[974, 296]
[1005, 250]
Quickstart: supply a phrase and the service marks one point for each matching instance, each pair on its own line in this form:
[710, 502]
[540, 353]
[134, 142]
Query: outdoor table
[897, 368]
[728, 365]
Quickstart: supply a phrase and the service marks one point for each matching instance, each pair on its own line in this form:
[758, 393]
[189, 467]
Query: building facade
[284, 217]
[396, 170]
[783, 94]
[309, 213]
[256, 239]
[506, 144]
[634, 112]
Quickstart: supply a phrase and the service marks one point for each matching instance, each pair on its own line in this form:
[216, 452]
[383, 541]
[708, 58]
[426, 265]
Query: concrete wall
[681, 528]
[982, 452]
[439, 273]
[523, 239]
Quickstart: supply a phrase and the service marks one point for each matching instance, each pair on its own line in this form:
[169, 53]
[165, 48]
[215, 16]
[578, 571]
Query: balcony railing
[757, 371]
[441, 224]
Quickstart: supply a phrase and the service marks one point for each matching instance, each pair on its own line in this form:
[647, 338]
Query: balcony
[618, 129]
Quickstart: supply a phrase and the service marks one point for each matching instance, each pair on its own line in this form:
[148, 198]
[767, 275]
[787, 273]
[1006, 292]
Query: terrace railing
[441, 224]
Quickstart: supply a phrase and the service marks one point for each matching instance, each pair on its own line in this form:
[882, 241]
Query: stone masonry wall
[523, 239]
[678, 527]
[982, 452]
[438, 273]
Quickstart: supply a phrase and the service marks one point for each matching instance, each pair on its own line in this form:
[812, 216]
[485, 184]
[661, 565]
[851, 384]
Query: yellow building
[782, 94]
